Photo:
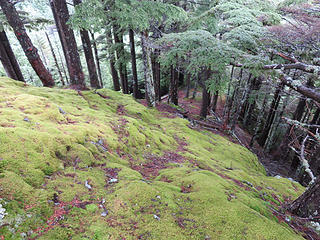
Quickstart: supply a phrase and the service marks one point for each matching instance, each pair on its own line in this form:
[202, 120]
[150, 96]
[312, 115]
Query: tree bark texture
[30, 51]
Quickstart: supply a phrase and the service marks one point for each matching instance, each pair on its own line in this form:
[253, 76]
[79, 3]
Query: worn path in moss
[99, 165]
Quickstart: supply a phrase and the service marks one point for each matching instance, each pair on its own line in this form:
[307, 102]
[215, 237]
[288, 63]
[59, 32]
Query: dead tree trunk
[30, 51]
[68, 42]
[8, 59]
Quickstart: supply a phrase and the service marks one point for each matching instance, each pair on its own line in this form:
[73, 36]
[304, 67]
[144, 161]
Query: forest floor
[98, 165]
[192, 107]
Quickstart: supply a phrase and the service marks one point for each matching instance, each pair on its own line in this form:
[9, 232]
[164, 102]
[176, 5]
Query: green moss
[65, 146]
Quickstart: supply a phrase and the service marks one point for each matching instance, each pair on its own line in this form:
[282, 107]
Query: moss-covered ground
[99, 165]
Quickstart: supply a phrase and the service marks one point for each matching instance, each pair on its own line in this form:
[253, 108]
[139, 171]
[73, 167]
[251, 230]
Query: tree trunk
[8, 59]
[133, 64]
[188, 83]
[205, 102]
[86, 44]
[308, 203]
[68, 42]
[156, 73]
[272, 112]
[114, 73]
[205, 95]
[215, 101]
[96, 55]
[61, 59]
[30, 51]
[173, 88]
[147, 68]
[241, 103]
[118, 39]
[55, 60]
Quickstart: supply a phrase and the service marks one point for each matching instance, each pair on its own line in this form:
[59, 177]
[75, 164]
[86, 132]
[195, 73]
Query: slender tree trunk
[241, 103]
[61, 59]
[147, 68]
[8, 59]
[96, 56]
[118, 39]
[205, 96]
[173, 88]
[195, 89]
[215, 101]
[188, 83]
[133, 64]
[68, 42]
[259, 119]
[26, 44]
[226, 105]
[234, 94]
[156, 73]
[55, 60]
[86, 43]
[271, 115]
[114, 73]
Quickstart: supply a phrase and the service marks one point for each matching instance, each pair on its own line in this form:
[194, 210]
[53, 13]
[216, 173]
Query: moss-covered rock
[82, 165]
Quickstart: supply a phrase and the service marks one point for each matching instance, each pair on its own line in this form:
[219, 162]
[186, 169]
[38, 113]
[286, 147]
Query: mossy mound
[99, 165]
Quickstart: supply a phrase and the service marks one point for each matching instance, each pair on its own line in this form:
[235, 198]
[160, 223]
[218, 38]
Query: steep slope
[98, 165]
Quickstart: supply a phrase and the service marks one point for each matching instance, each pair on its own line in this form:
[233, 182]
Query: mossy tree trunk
[147, 68]
[29, 49]
[118, 39]
[133, 64]
[8, 59]
[68, 42]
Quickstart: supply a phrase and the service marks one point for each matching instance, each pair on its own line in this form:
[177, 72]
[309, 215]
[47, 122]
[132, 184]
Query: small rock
[26, 119]
[113, 180]
[61, 111]
[156, 217]
[148, 145]
[158, 197]
[87, 185]
[277, 177]
[104, 213]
